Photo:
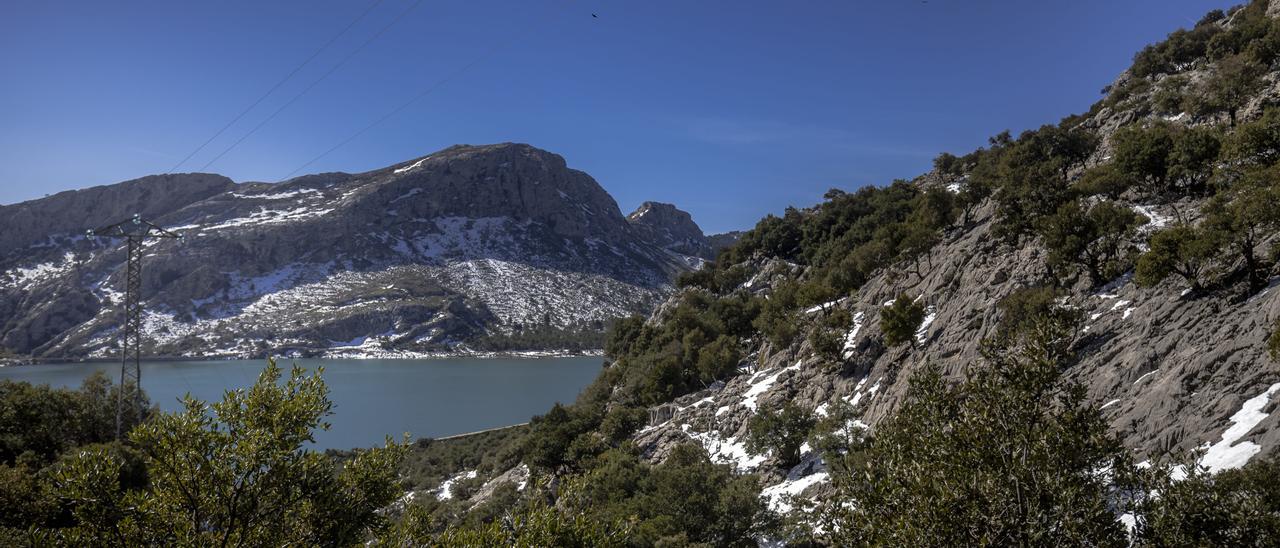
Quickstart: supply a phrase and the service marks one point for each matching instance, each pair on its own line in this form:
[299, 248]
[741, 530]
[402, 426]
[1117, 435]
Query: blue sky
[730, 110]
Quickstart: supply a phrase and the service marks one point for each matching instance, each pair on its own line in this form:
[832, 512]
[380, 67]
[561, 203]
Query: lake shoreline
[336, 354]
[372, 398]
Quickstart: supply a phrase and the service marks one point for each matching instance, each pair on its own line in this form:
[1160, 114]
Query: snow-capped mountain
[469, 248]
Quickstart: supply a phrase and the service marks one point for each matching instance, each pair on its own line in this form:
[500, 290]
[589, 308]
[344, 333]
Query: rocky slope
[469, 248]
[1171, 370]
[673, 229]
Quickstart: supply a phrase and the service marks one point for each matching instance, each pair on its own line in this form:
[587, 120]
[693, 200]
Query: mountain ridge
[488, 243]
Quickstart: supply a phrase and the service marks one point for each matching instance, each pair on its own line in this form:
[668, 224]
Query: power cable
[277, 86]
[427, 91]
[313, 84]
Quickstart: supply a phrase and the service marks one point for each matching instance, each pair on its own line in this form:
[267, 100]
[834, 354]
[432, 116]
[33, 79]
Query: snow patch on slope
[1227, 454]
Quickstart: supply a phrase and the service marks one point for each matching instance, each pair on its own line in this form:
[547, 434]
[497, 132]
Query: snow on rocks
[445, 491]
[850, 340]
[761, 386]
[276, 196]
[725, 450]
[1155, 221]
[1145, 375]
[811, 471]
[412, 166]
[824, 306]
[25, 277]
[931, 314]
[264, 216]
[1226, 454]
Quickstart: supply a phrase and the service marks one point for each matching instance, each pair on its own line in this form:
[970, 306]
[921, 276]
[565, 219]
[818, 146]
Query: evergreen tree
[780, 433]
[1180, 249]
[1234, 81]
[900, 320]
[1013, 456]
[1095, 238]
[232, 473]
[1244, 214]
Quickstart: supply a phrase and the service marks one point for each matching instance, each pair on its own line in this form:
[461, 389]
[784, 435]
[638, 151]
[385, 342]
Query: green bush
[900, 320]
[1233, 508]
[1242, 215]
[1104, 180]
[780, 432]
[1008, 457]
[46, 421]
[1094, 238]
[233, 472]
[1180, 249]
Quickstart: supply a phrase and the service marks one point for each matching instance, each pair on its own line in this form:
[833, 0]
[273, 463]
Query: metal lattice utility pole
[135, 231]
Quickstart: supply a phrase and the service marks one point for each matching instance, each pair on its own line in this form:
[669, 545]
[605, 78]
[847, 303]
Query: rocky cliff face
[1171, 370]
[466, 248]
[673, 229]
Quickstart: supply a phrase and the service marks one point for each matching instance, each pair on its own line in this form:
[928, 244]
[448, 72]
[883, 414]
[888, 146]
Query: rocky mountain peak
[668, 226]
[469, 247]
[507, 180]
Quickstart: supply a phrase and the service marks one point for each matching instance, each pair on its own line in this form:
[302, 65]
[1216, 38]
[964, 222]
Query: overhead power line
[425, 92]
[273, 89]
[313, 84]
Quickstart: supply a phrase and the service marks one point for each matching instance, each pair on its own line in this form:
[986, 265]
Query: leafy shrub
[1180, 249]
[1233, 508]
[235, 472]
[780, 432]
[45, 421]
[1104, 180]
[900, 320]
[1009, 456]
[1093, 238]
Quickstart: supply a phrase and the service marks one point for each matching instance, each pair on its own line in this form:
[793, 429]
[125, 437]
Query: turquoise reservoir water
[371, 398]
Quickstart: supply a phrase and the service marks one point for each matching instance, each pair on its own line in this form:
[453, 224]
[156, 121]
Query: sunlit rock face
[470, 248]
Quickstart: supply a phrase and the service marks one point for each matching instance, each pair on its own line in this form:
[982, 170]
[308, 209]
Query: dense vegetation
[231, 473]
[1013, 454]
[780, 286]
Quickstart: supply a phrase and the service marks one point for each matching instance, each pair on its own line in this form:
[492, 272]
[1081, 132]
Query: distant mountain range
[469, 249]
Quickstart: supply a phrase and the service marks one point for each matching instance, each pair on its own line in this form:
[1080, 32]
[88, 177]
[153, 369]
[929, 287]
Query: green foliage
[1104, 180]
[1191, 162]
[621, 422]
[1031, 175]
[948, 165]
[47, 421]
[1032, 309]
[1243, 214]
[1171, 96]
[1093, 238]
[780, 433]
[685, 500]
[1256, 143]
[840, 437]
[1166, 158]
[1233, 508]
[534, 525]
[900, 320]
[1179, 49]
[1234, 80]
[1010, 456]
[697, 342]
[1143, 153]
[1180, 249]
[826, 337]
[431, 461]
[552, 436]
[233, 472]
